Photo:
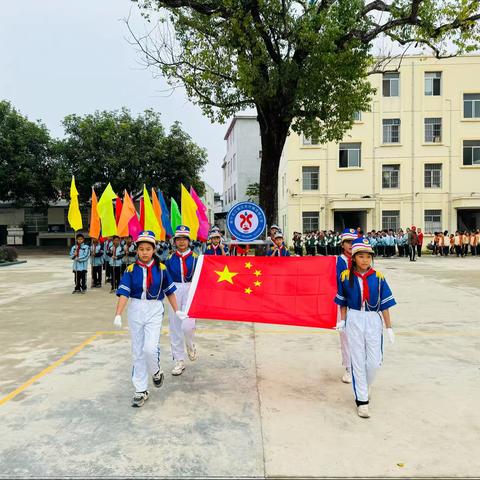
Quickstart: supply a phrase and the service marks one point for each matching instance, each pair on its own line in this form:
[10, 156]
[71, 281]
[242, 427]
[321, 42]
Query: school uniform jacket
[212, 250]
[381, 296]
[96, 255]
[133, 283]
[175, 266]
[282, 252]
[342, 264]
[81, 262]
[119, 254]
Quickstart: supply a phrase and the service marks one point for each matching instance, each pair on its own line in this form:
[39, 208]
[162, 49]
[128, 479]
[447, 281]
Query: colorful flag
[175, 217]
[204, 224]
[128, 223]
[94, 218]
[151, 221]
[105, 212]
[165, 216]
[118, 209]
[189, 213]
[158, 213]
[74, 215]
[142, 213]
[288, 291]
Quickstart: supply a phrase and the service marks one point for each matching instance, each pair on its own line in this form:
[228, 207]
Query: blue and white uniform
[96, 255]
[216, 249]
[145, 316]
[278, 252]
[181, 267]
[80, 262]
[365, 297]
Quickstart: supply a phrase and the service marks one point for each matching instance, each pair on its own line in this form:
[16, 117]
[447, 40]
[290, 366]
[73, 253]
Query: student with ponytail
[364, 298]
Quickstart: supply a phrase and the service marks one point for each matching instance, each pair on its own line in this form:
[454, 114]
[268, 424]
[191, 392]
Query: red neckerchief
[349, 260]
[278, 252]
[366, 292]
[78, 250]
[149, 271]
[183, 259]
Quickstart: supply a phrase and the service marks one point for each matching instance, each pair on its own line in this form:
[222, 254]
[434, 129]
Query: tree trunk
[273, 133]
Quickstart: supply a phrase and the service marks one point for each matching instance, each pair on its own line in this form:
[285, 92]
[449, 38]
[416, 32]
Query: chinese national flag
[280, 290]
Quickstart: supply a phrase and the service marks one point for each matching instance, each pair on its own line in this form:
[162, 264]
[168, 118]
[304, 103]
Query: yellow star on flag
[226, 275]
[248, 265]
[257, 283]
[258, 273]
[248, 290]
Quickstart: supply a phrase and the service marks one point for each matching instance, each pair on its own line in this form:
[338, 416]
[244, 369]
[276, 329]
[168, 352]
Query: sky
[59, 57]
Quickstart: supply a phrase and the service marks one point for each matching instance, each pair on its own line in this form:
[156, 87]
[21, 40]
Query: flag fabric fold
[203, 223]
[175, 217]
[189, 212]
[105, 212]
[118, 209]
[151, 221]
[94, 231]
[74, 215]
[128, 223]
[158, 213]
[165, 216]
[287, 291]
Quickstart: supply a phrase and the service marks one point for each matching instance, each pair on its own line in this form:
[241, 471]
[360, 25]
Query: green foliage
[27, 161]
[253, 191]
[128, 152]
[8, 254]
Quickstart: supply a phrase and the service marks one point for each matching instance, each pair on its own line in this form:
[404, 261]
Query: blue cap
[361, 245]
[349, 234]
[147, 236]
[182, 231]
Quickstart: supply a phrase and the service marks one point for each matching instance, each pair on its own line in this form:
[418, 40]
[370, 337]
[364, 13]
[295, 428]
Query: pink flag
[204, 225]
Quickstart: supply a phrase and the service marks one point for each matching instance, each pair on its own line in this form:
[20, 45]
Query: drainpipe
[449, 193]
[413, 144]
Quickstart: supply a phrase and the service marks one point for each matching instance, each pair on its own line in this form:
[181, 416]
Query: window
[433, 130]
[433, 83]
[433, 221]
[391, 220]
[357, 117]
[350, 155]
[391, 130]
[433, 175]
[390, 176]
[310, 178]
[391, 84]
[471, 152]
[310, 221]
[310, 141]
[471, 105]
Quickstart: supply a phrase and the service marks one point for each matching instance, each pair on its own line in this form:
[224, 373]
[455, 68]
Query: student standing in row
[130, 253]
[96, 260]
[216, 247]
[364, 298]
[79, 253]
[145, 283]
[181, 267]
[115, 254]
[278, 249]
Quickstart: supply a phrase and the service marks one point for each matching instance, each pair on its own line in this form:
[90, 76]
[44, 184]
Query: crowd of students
[460, 244]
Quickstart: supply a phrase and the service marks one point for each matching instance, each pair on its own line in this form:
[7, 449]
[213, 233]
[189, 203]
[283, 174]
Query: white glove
[118, 321]
[181, 315]
[340, 326]
[391, 335]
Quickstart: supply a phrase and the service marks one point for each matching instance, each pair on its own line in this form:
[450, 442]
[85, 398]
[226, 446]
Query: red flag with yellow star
[280, 290]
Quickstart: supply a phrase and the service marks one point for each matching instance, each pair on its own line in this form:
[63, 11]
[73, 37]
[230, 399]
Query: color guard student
[146, 283]
[115, 254]
[79, 253]
[216, 246]
[96, 260]
[279, 249]
[181, 267]
[130, 253]
[107, 261]
[344, 262]
[364, 298]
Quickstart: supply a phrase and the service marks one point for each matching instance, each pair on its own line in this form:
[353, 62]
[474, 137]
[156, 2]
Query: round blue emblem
[246, 221]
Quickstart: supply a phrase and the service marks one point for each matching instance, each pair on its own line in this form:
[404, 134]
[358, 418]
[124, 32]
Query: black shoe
[83, 292]
[76, 291]
[158, 379]
[139, 399]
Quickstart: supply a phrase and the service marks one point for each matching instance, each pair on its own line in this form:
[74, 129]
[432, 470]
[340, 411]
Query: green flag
[175, 217]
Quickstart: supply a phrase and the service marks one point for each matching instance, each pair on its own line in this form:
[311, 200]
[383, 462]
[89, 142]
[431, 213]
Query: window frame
[359, 149]
[315, 216]
[430, 225]
[433, 125]
[389, 78]
[313, 170]
[474, 148]
[389, 128]
[432, 79]
[389, 214]
[475, 105]
[430, 177]
[393, 170]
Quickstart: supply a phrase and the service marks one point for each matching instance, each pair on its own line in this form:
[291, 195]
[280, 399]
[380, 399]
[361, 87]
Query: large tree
[302, 64]
[128, 152]
[27, 162]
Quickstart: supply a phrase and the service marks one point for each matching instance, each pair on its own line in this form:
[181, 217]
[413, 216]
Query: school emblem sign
[246, 221]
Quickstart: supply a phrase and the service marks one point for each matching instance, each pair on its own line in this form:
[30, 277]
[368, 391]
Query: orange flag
[128, 211]
[158, 213]
[94, 218]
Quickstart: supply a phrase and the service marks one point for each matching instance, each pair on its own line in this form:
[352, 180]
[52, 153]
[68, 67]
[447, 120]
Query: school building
[413, 159]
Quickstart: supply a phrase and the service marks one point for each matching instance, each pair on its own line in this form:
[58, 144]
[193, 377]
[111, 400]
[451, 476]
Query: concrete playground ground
[260, 401]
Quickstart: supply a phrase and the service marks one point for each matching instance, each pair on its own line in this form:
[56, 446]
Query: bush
[8, 254]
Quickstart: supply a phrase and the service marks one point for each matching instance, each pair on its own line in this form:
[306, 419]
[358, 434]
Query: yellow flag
[189, 213]
[74, 216]
[151, 220]
[105, 212]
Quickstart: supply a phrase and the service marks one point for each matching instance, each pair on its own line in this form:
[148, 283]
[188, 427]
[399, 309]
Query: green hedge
[8, 254]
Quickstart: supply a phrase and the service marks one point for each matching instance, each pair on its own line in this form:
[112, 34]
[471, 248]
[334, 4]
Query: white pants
[344, 344]
[145, 323]
[365, 340]
[182, 332]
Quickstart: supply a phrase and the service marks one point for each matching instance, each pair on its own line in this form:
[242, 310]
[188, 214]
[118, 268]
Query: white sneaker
[347, 377]
[362, 411]
[192, 352]
[178, 368]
